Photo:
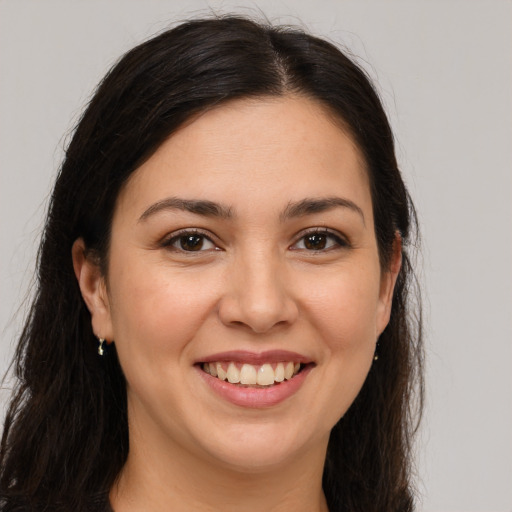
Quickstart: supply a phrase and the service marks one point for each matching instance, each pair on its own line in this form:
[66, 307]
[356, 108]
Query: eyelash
[176, 238]
[338, 241]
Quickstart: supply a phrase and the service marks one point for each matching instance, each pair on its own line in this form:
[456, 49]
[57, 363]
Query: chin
[264, 447]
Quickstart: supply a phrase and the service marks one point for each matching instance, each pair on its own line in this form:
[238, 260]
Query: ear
[387, 285]
[94, 290]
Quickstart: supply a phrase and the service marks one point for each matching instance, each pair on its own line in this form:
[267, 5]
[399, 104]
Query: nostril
[259, 304]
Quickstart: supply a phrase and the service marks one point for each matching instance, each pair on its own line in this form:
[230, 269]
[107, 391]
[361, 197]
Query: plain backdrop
[444, 72]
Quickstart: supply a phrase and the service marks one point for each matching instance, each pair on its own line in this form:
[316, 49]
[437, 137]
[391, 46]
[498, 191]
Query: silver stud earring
[100, 347]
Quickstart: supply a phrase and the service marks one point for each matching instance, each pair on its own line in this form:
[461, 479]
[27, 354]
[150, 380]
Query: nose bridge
[258, 293]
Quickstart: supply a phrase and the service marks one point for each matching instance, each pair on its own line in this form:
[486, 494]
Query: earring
[100, 347]
[376, 354]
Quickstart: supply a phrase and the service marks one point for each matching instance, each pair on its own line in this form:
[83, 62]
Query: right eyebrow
[197, 206]
[310, 206]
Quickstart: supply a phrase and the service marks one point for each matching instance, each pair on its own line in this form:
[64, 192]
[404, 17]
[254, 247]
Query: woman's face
[245, 242]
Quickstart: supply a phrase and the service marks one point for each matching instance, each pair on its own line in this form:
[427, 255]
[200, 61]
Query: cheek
[344, 317]
[344, 309]
[157, 310]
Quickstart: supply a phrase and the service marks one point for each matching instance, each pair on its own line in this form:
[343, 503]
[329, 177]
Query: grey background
[444, 73]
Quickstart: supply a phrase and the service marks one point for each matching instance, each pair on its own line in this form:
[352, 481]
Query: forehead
[254, 150]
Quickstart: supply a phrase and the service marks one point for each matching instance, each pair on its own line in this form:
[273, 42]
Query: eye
[319, 241]
[190, 241]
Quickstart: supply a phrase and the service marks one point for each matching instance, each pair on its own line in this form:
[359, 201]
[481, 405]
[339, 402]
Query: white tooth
[296, 368]
[265, 375]
[279, 373]
[221, 373]
[213, 369]
[248, 374]
[233, 374]
[206, 367]
[288, 371]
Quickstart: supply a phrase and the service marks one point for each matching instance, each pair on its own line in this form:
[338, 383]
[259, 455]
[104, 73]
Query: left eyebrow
[197, 206]
[311, 206]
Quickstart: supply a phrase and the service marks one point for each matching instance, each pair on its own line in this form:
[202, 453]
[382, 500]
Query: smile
[245, 374]
[255, 380]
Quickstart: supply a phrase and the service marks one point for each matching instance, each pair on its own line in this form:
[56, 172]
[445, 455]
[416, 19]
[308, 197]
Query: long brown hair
[66, 432]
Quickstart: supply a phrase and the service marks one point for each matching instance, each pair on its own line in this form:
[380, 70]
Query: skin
[254, 286]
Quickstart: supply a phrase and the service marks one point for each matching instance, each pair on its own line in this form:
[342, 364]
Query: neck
[158, 477]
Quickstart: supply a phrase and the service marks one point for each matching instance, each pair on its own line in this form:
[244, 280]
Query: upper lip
[256, 358]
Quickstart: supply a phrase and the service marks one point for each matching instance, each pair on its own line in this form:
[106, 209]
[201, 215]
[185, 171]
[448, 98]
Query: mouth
[255, 380]
[244, 374]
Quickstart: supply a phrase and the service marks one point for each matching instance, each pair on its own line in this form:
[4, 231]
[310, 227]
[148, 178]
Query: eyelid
[342, 241]
[168, 240]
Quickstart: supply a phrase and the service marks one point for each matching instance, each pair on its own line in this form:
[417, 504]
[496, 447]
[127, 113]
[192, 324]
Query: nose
[258, 295]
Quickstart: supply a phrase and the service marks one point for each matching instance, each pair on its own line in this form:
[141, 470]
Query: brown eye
[315, 242]
[320, 241]
[190, 242]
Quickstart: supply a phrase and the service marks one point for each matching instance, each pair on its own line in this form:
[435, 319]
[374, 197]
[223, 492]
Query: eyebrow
[311, 206]
[197, 206]
[308, 206]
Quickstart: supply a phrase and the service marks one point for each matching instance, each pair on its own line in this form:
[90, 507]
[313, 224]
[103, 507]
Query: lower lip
[256, 397]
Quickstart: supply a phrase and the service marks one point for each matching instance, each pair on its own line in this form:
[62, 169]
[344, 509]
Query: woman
[226, 243]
